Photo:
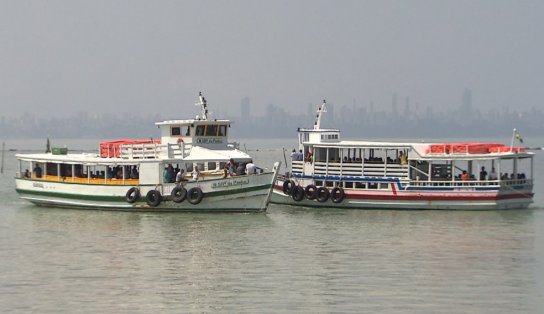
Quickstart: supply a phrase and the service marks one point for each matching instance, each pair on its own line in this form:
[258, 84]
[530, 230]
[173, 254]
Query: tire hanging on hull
[297, 193]
[153, 198]
[195, 195]
[133, 194]
[178, 194]
[337, 195]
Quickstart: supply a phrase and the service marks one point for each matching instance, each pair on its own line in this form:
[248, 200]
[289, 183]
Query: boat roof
[191, 121]
[196, 154]
[423, 149]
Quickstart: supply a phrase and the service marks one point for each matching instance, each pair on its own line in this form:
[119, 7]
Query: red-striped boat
[326, 171]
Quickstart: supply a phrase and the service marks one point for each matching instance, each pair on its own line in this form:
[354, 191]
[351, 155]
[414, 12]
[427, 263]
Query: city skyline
[400, 119]
[62, 57]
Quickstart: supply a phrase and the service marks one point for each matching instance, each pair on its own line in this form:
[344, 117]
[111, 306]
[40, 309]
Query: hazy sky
[155, 56]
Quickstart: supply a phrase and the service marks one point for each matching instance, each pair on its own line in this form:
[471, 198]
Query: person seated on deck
[240, 169]
[196, 172]
[38, 171]
[134, 173]
[493, 174]
[229, 169]
[250, 168]
[464, 176]
[345, 160]
[26, 174]
[179, 177]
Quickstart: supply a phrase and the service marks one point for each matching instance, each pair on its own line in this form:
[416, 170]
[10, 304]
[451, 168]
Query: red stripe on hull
[421, 196]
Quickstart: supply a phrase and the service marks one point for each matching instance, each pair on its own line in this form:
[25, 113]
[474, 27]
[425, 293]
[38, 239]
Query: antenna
[204, 106]
[320, 110]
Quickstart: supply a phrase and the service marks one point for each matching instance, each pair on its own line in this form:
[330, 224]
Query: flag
[518, 137]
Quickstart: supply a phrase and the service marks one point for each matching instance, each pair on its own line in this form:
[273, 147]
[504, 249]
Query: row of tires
[178, 195]
[312, 192]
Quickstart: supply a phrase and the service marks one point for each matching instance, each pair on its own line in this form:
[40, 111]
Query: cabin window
[175, 131]
[329, 184]
[384, 186]
[200, 130]
[222, 130]
[212, 165]
[360, 185]
[211, 130]
[319, 183]
[348, 185]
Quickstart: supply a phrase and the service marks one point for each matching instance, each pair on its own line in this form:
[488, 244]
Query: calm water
[287, 260]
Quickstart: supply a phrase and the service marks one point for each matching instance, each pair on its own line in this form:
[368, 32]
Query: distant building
[466, 107]
[245, 109]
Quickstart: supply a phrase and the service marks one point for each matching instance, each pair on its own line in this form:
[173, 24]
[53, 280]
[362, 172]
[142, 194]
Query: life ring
[178, 194]
[133, 194]
[153, 198]
[310, 191]
[297, 193]
[288, 187]
[322, 194]
[337, 195]
[194, 195]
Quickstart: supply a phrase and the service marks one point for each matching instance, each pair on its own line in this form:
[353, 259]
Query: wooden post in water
[3, 149]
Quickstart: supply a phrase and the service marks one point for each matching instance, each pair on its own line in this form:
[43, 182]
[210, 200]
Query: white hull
[238, 194]
[415, 201]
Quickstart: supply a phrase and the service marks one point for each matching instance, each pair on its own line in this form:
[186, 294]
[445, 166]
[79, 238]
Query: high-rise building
[245, 109]
[466, 107]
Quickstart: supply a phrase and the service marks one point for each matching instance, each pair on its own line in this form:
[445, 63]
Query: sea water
[287, 260]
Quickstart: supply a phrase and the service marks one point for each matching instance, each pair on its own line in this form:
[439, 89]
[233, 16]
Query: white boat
[142, 175]
[329, 172]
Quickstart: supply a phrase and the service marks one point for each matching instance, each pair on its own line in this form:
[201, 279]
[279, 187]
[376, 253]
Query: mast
[204, 107]
[320, 110]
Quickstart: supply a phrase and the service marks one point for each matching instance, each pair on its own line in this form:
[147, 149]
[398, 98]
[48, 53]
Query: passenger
[309, 157]
[483, 174]
[493, 174]
[26, 174]
[294, 154]
[229, 168]
[250, 168]
[134, 173]
[196, 172]
[403, 158]
[300, 156]
[38, 171]
[240, 169]
[179, 177]
[171, 173]
[345, 159]
[166, 175]
[464, 176]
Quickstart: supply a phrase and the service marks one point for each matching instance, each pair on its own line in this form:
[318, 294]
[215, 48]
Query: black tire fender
[310, 191]
[322, 194]
[153, 198]
[133, 194]
[288, 187]
[178, 194]
[297, 193]
[195, 195]
[337, 195]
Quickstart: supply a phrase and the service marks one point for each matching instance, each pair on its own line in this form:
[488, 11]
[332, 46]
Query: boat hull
[236, 194]
[416, 200]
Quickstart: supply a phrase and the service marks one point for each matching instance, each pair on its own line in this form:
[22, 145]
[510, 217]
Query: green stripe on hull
[105, 198]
